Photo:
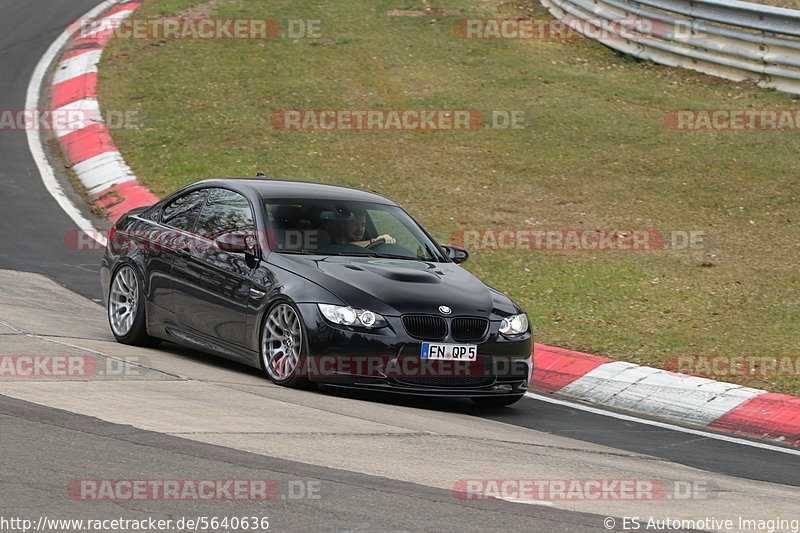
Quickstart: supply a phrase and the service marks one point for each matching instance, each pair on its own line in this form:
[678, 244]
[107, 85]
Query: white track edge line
[35, 141]
[664, 425]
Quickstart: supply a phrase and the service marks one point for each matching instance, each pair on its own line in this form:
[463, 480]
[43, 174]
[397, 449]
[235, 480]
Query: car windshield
[335, 227]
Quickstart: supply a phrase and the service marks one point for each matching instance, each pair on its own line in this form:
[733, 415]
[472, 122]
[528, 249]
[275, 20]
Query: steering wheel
[376, 242]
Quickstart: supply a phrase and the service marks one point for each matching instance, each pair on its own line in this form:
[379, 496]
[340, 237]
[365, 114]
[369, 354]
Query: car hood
[398, 286]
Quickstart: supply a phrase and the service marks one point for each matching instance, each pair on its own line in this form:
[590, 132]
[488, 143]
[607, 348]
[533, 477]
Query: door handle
[257, 294]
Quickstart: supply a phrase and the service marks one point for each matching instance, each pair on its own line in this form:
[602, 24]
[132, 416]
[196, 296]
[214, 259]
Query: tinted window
[182, 212]
[224, 212]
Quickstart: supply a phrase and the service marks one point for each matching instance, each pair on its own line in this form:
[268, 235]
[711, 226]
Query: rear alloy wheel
[283, 346]
[497, 401]
[126, 314]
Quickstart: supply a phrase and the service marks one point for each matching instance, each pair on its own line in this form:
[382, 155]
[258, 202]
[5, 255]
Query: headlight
[348, 316]
[514, 325]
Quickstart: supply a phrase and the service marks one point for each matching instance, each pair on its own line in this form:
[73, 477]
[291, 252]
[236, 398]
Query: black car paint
[216, 300]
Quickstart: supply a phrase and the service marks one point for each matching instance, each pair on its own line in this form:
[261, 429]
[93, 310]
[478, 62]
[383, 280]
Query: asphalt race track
[32, 225]
[381, 464]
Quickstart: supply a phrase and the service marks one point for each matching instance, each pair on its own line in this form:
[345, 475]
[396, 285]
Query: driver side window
[225, 211]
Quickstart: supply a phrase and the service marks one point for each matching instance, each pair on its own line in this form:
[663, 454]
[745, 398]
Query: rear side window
[224, 212]
[183, 211]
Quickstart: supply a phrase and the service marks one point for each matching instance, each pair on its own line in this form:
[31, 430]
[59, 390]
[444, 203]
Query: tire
[126, 309]
[497, 401]
[283, 346]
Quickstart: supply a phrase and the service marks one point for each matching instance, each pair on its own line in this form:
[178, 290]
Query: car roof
[278, 188]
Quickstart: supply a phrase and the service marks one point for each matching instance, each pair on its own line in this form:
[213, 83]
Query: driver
[352, 231]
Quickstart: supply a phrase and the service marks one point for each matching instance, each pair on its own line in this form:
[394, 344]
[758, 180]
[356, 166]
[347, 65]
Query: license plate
[449, 352]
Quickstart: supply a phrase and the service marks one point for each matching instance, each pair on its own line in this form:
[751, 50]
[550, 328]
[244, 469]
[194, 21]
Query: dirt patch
[203, 10]
[324, 42]
[426, 11]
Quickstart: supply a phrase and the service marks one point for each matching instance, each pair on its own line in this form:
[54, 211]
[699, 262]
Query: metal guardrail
[726, 38]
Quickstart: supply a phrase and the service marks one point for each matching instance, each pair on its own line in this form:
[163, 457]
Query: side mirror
[456, 254]
[236, 241]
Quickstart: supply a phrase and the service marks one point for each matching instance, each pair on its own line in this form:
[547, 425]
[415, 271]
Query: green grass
[597, 155]
[788, 4]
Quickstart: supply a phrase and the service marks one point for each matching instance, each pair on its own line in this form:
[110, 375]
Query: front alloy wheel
[283, 345]
[123, 303]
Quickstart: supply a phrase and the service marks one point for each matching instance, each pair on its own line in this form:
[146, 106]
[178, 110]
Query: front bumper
[388, 360]
[514, 389]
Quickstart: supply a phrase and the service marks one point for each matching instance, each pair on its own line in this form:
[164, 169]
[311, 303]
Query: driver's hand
[388, 238]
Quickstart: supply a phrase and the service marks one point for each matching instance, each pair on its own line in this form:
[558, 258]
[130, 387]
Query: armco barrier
[726, 38]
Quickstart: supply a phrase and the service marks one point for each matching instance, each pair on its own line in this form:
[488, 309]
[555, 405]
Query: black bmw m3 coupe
[313, 283]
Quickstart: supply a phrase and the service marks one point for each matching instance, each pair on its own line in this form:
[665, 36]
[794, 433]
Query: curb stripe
[77, 66]
[87, 143]
[91, 149]
[76, 50]
[35, 139]
[667, 395]
[85, 44]
[103, 171]
[126, 6]
[90, 115]
[769, 416]
[120, 199]
[654, 392]
[72, 90]
[555, 368]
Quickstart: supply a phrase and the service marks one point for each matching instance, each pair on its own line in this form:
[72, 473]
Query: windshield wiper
[369, 253]
[365, 253]
[304, 252]
[398, 256]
